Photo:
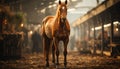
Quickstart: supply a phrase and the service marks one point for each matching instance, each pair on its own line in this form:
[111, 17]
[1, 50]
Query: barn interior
[94, 24]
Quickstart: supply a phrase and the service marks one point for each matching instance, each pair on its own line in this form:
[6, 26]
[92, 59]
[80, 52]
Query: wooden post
[94, 49]
[1, 21]
[112, 34]
[102, 42]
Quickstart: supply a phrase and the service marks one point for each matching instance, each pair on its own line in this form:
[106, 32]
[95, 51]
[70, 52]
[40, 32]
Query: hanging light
[31, 32]
[74, 0]
[22, 25]
[116, 29]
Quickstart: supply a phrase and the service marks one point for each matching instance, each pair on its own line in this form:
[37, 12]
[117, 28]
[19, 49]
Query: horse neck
[60, 23]
[58, 19]
[57, 16]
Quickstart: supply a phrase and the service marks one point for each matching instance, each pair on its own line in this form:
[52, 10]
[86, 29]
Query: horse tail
[43, 28]
[43, 35]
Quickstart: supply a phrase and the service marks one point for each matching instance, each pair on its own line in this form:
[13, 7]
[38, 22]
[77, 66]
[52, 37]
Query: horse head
[62, 10]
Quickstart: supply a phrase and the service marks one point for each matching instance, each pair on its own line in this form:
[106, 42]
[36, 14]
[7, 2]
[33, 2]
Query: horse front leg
[57, 56]
[65, 51]
[56, 42]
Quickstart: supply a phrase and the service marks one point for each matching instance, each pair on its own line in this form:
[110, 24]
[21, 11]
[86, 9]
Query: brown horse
[54, 29]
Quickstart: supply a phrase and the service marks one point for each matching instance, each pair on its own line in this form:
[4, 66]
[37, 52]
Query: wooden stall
[102, 24]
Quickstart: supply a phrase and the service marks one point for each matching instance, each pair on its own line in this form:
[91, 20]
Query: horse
[54, 29]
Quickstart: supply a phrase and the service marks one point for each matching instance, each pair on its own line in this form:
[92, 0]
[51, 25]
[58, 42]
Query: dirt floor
[75, 61]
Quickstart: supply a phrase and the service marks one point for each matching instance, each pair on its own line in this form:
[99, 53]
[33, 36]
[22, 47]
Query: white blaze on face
[63, 8]
[63, 12]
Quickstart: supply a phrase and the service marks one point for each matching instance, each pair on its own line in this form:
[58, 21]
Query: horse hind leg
[53, 54]
[46, 44]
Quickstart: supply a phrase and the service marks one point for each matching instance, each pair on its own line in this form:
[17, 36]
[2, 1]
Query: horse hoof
[57, 66]
[65, 67]
[47, 68]
[53, 64]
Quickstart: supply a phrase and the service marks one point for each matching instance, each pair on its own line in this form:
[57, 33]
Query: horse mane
[57, 12]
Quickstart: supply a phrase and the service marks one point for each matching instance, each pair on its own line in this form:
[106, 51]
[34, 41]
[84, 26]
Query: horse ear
[59, 2]
[65, 1]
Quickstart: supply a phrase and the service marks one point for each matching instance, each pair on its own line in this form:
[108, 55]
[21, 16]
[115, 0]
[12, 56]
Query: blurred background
[25, 17]
[95, 33]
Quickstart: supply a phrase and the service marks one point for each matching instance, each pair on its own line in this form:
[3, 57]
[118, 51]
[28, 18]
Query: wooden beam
[95, 11]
